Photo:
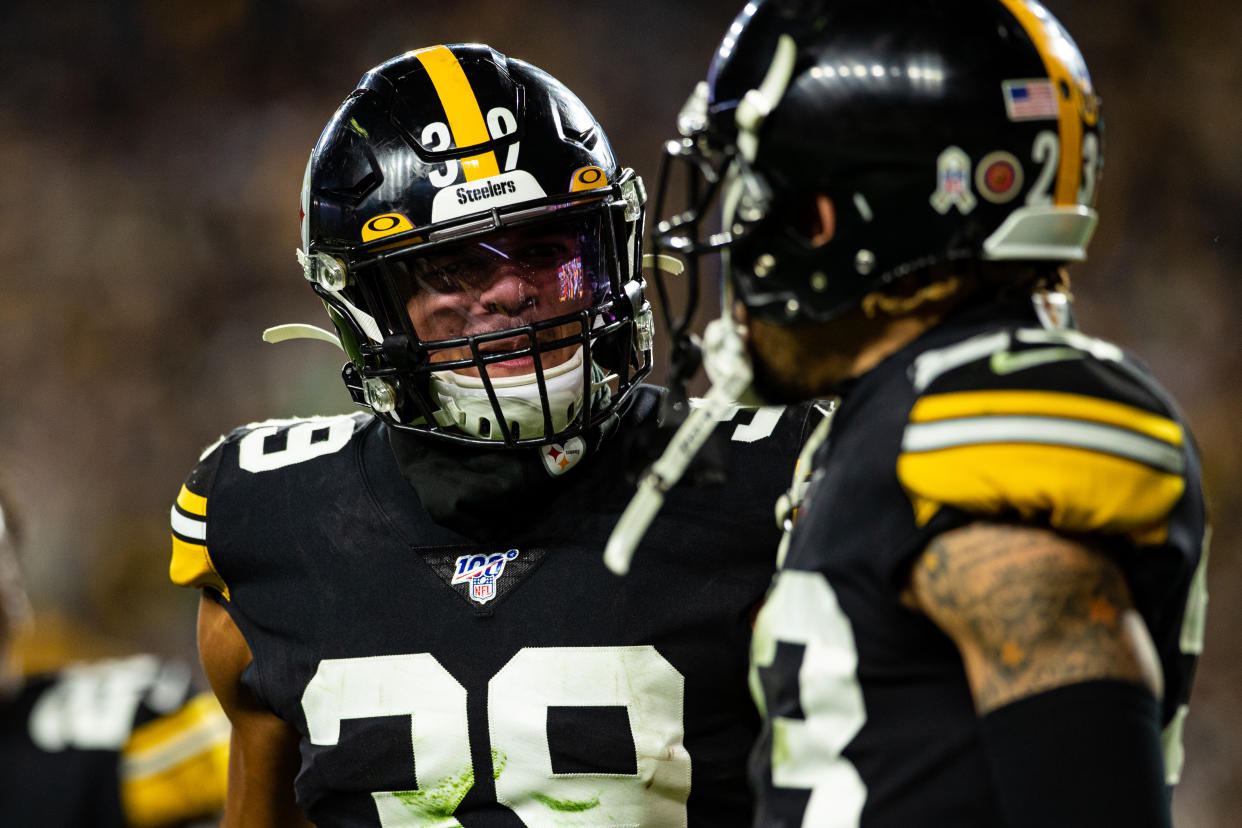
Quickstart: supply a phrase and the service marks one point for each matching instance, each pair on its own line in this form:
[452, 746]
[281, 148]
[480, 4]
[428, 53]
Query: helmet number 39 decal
[437, 137]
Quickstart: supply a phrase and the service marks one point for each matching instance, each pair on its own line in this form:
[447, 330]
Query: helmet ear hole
[811, 217]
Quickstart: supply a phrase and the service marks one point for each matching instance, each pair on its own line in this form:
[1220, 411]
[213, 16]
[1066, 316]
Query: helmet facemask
[517, 330]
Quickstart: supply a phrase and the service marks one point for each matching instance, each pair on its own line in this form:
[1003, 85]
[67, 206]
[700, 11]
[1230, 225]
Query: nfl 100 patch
[482, 574]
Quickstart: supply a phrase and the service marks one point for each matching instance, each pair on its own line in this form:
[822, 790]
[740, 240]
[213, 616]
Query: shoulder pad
[260, 447]
[1050, 425]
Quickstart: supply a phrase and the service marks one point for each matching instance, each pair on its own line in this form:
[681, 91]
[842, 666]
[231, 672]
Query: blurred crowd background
[151, 156]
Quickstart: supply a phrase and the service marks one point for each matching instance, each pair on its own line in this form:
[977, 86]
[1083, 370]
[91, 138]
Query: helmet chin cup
[466, 404]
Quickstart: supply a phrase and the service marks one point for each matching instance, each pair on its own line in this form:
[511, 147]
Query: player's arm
[263, 752]
[1063, 672]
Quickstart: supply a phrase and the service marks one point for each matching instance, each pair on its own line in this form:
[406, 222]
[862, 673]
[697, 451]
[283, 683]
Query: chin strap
[729, 368]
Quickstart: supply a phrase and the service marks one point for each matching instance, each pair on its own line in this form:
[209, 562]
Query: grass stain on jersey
[782, 752]
[440, 801]
[567, 805]
[498, 763]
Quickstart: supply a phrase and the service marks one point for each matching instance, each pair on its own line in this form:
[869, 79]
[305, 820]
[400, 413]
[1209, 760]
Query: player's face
[804, 361]
[502, 281]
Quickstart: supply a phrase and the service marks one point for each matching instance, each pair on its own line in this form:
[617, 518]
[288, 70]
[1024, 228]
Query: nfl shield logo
[481, 571]
[483, 588]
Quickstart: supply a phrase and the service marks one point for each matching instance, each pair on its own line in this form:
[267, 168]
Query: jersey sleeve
[191, 564]
[174, 766]
[1048, 426]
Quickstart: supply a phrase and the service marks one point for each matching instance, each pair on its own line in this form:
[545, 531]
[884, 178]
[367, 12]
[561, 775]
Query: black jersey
[437, 679]
[111, 744]
[869, 720]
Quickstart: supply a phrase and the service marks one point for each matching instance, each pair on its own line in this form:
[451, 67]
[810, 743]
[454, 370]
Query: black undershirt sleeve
[1084, 755]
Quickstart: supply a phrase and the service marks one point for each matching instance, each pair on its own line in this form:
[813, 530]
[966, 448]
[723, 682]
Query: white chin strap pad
[464, 403]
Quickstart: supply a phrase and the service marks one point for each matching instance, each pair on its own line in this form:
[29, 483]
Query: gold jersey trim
[195, 504]
[1088, 464]
[191, 564]
[961, 404]
[1076, 489]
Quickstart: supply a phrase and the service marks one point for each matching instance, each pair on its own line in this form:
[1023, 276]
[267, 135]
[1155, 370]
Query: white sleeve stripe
[202, 738]
[932, 364]
[188, 527]
[968, 431]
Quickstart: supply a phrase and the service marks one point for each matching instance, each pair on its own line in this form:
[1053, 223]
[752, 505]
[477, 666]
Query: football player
[990, 606]
[120, 743]
[405, 613]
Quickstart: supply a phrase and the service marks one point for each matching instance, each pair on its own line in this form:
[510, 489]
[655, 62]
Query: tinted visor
[511, 278]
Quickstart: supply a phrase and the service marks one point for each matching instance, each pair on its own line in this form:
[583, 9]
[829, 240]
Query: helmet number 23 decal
[1047, 152]
[519, 697]
[437, 137]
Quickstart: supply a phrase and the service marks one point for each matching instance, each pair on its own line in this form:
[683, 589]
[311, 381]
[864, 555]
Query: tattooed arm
[1031, 610]
[1062, 669]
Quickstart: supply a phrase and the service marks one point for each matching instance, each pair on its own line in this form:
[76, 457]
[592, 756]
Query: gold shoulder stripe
[937, 407]
[461, 107]
[195, 504]
[191, 566]
[1076, 489]
[175, 768]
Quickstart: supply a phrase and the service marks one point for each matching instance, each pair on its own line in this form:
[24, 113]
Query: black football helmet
[940, 129]
[478, 248]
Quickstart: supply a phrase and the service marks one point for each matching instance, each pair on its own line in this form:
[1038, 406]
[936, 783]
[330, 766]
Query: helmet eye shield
[508, 279]
[501, 298]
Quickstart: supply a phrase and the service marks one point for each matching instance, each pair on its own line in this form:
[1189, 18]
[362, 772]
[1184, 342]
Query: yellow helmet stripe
[1069, 120]
[465, 118]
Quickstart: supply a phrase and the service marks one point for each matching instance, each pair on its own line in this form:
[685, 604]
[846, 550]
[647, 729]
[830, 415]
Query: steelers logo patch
[998, 177]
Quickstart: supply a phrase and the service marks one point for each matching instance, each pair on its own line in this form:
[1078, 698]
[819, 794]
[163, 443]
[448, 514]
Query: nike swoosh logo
[1007, 362]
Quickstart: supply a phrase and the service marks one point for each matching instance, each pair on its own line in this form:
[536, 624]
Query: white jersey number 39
[519, 695]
